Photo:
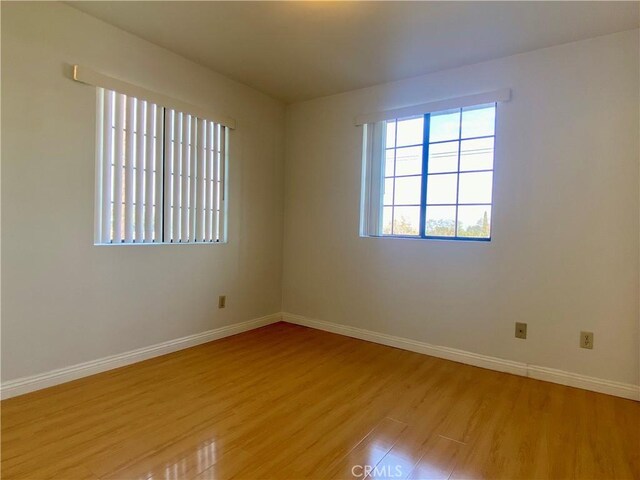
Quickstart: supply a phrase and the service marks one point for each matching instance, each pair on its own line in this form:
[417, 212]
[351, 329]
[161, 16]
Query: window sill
[142, 244]
[439, 239]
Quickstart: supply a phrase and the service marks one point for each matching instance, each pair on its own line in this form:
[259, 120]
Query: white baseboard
[561, 377]
[23, 385]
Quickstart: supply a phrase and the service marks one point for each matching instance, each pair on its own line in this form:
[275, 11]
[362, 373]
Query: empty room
[254, 240]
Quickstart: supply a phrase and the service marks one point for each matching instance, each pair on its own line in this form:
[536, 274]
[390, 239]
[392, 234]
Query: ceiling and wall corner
[296, 51]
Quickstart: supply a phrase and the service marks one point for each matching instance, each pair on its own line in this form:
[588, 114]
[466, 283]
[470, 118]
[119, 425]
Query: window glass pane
[388, 163]
[474, 221]
[407, 191]
[440, 221]
[391, 134]
[409, 161]
[475, 187]
[476, 154]
[478, 121]
[444, 125]
[406, 220]
[410, 131]
[388, 191]
[386, 220]
[443, 157]
[442, 188]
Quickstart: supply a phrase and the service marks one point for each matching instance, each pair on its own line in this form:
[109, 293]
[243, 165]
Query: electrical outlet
[521, 330]
[586, 340]
[222, 301]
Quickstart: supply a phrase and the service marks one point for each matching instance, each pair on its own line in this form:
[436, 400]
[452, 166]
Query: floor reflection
[189, 465]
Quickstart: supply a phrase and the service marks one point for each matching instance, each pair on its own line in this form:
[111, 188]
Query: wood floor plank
[369, 451]
[288, 402]
[438, 460]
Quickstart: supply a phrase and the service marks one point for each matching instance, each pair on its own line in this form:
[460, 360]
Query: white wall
[65, 301]
[564, 254]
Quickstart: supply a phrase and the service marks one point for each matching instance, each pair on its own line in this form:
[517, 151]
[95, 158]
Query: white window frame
[373, 157]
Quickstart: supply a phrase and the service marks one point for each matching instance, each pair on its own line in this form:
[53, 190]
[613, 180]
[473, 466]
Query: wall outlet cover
[586, 340]
[521, 330]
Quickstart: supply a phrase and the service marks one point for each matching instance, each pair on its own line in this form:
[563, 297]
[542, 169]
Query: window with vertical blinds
[161, 174]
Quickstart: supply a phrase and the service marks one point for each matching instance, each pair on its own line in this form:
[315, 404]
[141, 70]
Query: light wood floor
[291, 403]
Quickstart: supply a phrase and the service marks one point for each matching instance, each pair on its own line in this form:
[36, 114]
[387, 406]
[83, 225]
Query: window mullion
[425, 169]
[455, 225]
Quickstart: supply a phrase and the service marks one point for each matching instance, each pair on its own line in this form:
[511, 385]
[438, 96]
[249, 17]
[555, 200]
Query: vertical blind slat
[141, 106]
[150, 168]
[216, 192]
[118, 195]
[211, 183]
[222, 201]
[107, 160]
[202, 178]
[193, 179]
[158, 191]
[169, 151]
[129, 163]
[186, 154]
[176, 170]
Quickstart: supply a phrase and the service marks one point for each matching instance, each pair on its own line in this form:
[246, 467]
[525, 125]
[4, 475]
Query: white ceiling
[300, 50]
